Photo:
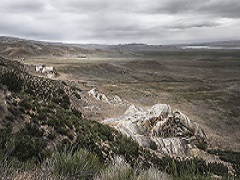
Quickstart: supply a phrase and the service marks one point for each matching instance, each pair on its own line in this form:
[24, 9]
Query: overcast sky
[121, 21]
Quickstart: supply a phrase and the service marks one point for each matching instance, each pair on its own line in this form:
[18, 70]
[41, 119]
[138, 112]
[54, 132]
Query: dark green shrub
[10, 118]
[103, 131]
[56, 100]
[14, 110]
[64, 83]
[128, 148]
[89, 143]
[25, 104]
[42, 115]
[51, 105]
[236, 168]
[27, 148]
[76, 113]
[21, 109]
[74, 88]
[65, 101]
[218, 169]
[32, 130]
[61, 130]
[153, 145]
[201, 165]
[70, 136]
[60, 91]
[228, 156]
[77, 96]
[51, 136]
[201, 145]
[12, 81]
[27, 144]
[65, 143]
[5, 136]
[51, 122]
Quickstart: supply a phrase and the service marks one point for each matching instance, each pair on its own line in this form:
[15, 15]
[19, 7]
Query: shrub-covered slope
[42, 110]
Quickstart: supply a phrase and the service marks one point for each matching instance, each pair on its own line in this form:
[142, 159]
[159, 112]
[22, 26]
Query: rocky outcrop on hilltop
[159, 128]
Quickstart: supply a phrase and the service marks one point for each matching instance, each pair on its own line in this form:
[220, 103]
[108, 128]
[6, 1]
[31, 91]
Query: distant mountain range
[216, 43]
[18, 47]
[225, 43]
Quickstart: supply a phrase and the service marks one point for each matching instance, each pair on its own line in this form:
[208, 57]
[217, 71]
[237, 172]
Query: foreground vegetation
[229, 156]
[85, 165]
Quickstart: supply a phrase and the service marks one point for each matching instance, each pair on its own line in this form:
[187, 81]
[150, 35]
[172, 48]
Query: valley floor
[204, 84]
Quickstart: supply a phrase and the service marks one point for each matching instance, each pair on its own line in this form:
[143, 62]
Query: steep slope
[40, 109]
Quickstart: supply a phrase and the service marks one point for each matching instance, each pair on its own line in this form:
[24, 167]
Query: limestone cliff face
[172, 132]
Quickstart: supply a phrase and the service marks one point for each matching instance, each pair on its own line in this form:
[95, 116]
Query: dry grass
[120, 170]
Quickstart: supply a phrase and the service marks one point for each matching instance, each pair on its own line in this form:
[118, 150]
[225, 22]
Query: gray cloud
[219, 8]
[175, 6]
[114, 21]
[22, 6]
[222, 8]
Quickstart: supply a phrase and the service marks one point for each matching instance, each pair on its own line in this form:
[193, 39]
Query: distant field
[205, 84]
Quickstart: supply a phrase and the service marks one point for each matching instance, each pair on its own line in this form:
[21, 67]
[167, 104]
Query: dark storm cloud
[219, 8]
[223, 8]
[121, 21]
[175, 6]
[197, 24]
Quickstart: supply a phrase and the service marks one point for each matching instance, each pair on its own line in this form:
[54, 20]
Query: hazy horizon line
[103, 44]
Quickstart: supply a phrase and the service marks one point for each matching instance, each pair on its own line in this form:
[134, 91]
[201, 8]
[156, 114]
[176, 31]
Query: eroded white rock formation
[50, 71]
[171, 131]
[97, 95]
[114, 100]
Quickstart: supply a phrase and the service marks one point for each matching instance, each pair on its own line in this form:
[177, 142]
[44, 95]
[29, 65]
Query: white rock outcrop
[97, 95]
[113, 100]
[171, 131]
[50, 71]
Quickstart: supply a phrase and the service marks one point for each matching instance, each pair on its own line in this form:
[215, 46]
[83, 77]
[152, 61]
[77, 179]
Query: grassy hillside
[19, 48]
